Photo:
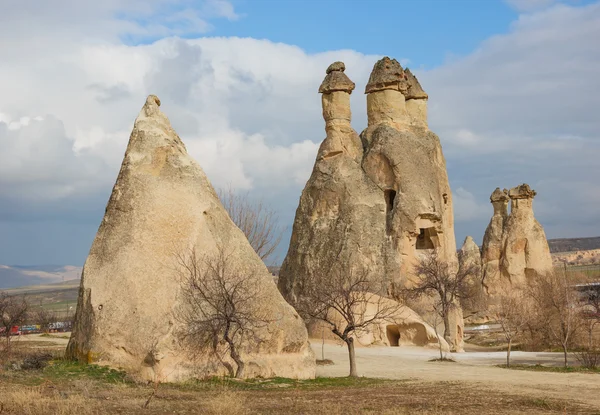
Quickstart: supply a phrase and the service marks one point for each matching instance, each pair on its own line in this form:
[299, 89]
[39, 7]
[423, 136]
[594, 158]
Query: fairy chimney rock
[499, 200]
[526, 253]
[514, 248]
[416, 99]
[162, 205]
[336, 89]
[379, 200]
[385, 93]
[491, 249]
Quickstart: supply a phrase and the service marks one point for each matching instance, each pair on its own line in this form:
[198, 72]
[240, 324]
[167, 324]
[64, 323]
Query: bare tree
[222, 307]
[44, 318]
[449, 285]
[513, 316]
[433, 319]
[589, 353]
[257, 221]
[346, 301]
[558, 305]
[13, 311]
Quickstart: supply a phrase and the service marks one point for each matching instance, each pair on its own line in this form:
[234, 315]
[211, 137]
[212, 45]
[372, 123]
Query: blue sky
[427, 32]
[510, 83]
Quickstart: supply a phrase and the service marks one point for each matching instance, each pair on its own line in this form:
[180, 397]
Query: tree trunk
[350, 343]
[323, 345]
[565, 352]
[508, 353]
[239, 373]
[447, 329]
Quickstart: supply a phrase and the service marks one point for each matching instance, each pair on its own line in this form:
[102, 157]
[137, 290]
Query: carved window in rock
[390, 198]
[425, 238]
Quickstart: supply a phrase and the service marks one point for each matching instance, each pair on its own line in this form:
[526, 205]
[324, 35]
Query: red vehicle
[14, 331]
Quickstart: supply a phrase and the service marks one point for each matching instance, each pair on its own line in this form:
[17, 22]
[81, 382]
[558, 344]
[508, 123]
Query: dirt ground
[472, 369]
[396, 381]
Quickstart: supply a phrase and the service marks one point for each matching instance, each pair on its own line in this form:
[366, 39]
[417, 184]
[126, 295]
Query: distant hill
[574, 244]
[21, 275]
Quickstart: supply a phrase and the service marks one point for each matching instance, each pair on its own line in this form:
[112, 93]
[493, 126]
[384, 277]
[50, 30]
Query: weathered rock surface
[470, 254]
[525, 251]
[491, 249]
[403, 328]
[376, 201]
[162, 205]
[515, 248]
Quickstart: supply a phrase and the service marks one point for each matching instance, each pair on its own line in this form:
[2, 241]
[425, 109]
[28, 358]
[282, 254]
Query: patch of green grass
[559, 369]
[69, 370]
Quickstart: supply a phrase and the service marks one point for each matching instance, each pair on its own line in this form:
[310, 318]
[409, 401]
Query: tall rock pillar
[379, 201]
[340, 211]
[525, 247]
[492, 242]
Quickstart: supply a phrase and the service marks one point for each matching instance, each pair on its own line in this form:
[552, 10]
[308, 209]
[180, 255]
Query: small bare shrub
[36, 361]
[223, 307]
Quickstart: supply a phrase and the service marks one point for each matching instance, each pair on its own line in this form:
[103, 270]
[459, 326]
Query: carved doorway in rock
[393, 335]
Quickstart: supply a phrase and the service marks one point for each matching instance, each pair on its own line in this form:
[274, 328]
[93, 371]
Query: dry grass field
[65, 388]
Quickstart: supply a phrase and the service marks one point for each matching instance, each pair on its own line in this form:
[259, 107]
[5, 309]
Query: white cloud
[467, 207]
[530, 5]
[520, 108]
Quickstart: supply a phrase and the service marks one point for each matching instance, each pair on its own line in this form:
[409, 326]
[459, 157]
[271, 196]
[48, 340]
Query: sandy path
[473, 369]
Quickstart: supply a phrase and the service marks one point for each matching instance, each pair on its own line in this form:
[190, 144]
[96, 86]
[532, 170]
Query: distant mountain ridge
[574, 244]
[30, 275]
[23, 275]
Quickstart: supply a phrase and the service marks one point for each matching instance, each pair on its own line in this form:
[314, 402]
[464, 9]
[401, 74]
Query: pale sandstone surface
[163, 205]
[403, 327]
[491, 248]
[470, 253]
[514, 248]
[375, 202]
[525, 248]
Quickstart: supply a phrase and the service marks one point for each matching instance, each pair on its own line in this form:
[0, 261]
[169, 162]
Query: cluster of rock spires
[162, 204]
[376, 200]
[515, 248]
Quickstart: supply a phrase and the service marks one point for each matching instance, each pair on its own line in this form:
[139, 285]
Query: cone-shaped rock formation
[163, 205]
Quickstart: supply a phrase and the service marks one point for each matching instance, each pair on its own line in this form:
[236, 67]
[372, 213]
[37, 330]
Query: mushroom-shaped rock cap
[415, 91]
[387, 74]
[499, 195]
[336, 80]
[522, 192]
